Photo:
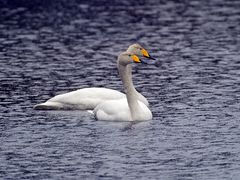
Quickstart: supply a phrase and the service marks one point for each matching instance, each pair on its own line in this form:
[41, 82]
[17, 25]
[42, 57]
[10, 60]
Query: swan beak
[150, 57]
[146, 54]
[136, 59]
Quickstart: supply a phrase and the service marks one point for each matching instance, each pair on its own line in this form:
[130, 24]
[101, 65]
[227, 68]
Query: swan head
[126, 58]
[139, 51]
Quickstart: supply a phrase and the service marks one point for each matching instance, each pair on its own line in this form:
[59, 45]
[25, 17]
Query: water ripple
[193, 89]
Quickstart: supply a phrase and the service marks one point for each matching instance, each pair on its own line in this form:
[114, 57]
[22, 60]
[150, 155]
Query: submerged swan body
[125, 109]
[89, 98]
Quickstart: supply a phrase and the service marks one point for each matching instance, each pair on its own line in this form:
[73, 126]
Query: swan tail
[48, 106]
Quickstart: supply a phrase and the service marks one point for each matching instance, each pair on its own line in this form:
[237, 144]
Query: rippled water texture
[53, 47]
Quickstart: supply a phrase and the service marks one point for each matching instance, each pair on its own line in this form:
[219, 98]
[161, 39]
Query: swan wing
[86, 98]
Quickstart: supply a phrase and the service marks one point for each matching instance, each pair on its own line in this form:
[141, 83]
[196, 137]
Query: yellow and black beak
[146, 54]
[135, 59]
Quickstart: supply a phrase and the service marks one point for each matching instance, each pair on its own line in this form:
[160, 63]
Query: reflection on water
[193, 88]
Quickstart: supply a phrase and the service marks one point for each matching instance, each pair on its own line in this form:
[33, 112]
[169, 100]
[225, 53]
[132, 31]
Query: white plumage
[83, 99]
[89, 98]
[118, 110]
[125, 109]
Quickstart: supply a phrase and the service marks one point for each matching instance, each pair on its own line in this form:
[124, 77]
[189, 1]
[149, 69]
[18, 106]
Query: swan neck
[126, 76]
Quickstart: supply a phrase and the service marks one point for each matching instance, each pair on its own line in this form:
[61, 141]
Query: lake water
[53, 47]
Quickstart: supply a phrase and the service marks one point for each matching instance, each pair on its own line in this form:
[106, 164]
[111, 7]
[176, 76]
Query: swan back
[83, 99]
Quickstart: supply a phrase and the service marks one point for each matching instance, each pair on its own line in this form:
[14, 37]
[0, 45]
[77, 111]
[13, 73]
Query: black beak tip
[150, 57]
[141, 62]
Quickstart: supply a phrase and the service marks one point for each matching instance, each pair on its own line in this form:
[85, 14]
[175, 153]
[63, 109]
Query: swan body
[89, 98]
[125, 109]
[118, 110]
[83, 99]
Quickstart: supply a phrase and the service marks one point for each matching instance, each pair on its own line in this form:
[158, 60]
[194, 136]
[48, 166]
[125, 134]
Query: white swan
[89, 98]
[126, 109]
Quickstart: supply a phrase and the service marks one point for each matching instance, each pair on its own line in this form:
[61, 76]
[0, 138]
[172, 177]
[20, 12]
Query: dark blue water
[53, 47]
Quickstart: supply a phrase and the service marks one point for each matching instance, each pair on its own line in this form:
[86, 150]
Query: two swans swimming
[108, 104]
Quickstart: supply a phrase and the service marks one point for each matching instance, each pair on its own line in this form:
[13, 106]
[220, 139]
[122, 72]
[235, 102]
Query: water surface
[48, 48]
